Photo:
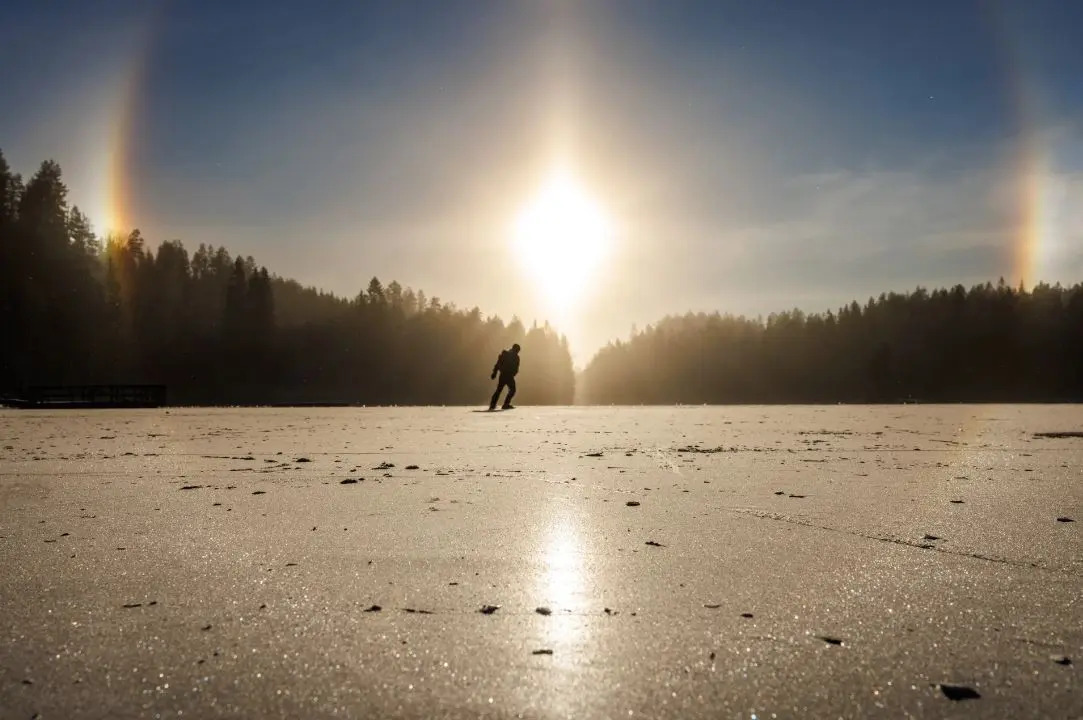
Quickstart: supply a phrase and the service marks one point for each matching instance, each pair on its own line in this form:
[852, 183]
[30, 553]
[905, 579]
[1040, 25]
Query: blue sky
[752, 156]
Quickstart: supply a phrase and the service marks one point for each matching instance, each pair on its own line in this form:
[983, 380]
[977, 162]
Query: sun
[561, 238]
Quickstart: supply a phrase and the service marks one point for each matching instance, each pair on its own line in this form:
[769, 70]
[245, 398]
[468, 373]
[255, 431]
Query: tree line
[989, 343]
[215, 328]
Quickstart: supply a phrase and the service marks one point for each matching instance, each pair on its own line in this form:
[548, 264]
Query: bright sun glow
[561, 238]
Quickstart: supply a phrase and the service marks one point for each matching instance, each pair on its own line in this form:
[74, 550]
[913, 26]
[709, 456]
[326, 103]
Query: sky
[747, 157]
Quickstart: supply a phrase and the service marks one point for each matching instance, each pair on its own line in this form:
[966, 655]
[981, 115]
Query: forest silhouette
[991, 343]
[219, 329]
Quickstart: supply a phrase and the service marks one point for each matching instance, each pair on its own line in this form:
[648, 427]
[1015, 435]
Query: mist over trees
[219, 329]
[991, 343]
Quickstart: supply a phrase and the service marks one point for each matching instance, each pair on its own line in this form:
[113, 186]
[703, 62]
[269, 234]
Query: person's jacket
[507, 364]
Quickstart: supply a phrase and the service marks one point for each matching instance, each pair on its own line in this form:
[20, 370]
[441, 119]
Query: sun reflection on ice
[564, 583]
[563, 567]
[561, 585]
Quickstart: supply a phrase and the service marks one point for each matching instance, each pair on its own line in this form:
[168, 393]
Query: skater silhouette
[508, 367]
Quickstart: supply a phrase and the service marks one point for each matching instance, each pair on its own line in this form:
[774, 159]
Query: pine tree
[234, 322]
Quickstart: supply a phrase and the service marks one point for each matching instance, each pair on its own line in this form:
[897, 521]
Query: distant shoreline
[6, 405]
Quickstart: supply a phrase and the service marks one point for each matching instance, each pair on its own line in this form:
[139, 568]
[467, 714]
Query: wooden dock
[89, 396]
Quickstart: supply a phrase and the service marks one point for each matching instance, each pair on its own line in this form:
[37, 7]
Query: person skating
[507, 365]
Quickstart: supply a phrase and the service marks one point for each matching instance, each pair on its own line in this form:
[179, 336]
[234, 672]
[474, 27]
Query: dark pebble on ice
[373, 608]
[259, 492]
[632, 503]
[652, 543]
[958, 692]
[543, 610]
[488, 609]
[830, 640]
[1065, 519]
[191, 487]
[543, 651]
[349, 481]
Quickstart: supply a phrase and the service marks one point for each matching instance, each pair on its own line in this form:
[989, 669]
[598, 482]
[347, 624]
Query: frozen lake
[781, 562]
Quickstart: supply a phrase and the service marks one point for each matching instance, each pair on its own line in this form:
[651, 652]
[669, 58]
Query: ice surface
[782, 561]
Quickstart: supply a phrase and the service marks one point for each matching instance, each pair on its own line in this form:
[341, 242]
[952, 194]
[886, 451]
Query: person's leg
[496, 395]
[511, 392]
